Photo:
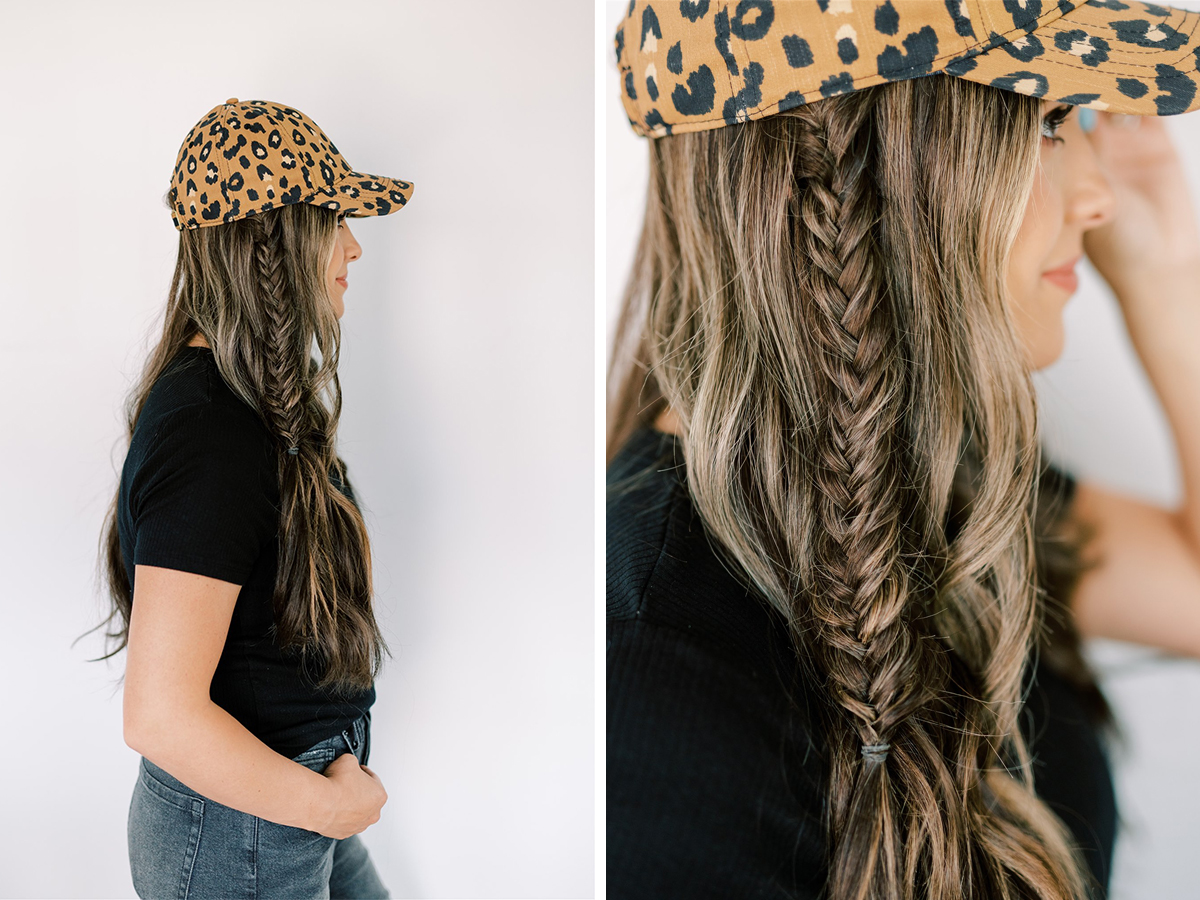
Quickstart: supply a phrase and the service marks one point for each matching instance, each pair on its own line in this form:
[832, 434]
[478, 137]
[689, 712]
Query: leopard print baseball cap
[692, 65]
[247, 156]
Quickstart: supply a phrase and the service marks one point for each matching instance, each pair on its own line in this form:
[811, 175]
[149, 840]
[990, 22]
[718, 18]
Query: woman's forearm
[1162, 313]
[215, 755]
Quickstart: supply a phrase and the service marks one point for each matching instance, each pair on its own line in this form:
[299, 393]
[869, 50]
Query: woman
[845, 591]
[237, 558]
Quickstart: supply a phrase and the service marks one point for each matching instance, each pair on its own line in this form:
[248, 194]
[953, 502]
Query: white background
[467, 367]
[1103, 421]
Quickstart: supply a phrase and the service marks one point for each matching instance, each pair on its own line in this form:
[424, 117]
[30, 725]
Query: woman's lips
[1064, 276]
[341, 281]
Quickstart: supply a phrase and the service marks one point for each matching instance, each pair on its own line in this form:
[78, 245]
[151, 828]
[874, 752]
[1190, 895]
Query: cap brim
[1121, 56]
[361, 194]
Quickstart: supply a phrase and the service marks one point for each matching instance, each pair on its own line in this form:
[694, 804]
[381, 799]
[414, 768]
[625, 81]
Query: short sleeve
[199, 498]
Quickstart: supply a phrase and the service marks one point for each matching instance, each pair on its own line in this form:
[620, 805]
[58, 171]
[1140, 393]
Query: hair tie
[876, 752]
[293, 450]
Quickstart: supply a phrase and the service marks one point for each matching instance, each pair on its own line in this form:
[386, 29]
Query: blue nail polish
[1087, 118]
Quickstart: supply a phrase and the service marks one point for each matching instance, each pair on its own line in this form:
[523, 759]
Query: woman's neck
[669, 422]
[197, 340]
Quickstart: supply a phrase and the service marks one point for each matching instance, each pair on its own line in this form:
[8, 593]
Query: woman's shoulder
[194, 435]
[665, 569]
[190, 401]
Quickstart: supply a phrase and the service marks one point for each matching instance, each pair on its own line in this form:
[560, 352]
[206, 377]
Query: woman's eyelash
[1053, 120]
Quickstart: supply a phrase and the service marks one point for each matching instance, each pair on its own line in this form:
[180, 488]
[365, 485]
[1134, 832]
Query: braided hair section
[881, 668]
[323, 588]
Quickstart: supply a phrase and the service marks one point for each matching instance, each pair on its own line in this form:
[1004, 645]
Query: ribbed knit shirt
[716, 762]
[199, 493]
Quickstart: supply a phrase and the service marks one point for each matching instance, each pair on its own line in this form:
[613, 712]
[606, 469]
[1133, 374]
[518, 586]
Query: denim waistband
[354, 738]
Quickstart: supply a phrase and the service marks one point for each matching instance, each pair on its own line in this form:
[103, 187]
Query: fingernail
[1087, 118]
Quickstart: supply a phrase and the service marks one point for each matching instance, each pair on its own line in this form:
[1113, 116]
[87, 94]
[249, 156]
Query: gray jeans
[184, 846]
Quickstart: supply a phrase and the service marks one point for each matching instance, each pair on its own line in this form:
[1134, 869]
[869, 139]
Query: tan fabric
[700, 64]
[245, 157]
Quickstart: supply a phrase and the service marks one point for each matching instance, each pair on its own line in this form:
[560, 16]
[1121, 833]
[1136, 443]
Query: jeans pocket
[163, 831]
[318, 757]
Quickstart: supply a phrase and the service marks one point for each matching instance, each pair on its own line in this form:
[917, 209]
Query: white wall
[468, 423]
[1103, 422]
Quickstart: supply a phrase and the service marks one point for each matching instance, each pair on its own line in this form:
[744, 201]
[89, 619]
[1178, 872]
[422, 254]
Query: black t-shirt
[716, 776]
[199, 493]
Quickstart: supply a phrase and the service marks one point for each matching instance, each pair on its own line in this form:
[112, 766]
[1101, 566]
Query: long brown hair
[820, 298]
[255, 289]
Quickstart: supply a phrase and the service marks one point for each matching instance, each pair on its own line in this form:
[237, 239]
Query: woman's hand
[358, 797]
[1154, 234]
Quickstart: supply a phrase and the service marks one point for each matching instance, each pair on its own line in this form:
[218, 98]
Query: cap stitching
[1190, 52]
[728, 75]
[742, 42]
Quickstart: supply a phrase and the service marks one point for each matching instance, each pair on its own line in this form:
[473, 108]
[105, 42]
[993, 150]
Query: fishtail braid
[881, 670]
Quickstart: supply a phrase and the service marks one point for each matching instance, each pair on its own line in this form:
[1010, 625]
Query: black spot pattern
[797, 51]
[847, 51]
[752, 19]
[1008, 82]
[961, 65]
[1064, 40]
[1180, 90]
[649, 25]
[962, 24]
[749, 96]
[698, 97]
[236, 148]
[887, 20]
[920, 50]
[1025, 13]
[651, 87]
[1131, 87]
[1135, 31]
[721, 22]
[693, 12]
[840, 83]
[1078, 99]
[1029, 48]
[654, 119]
[675, 59]
[791, 100]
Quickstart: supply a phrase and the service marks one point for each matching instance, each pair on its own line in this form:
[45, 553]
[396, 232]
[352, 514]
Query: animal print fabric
[245, 157]
[691, 65]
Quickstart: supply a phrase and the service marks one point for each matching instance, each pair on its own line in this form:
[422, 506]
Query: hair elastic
[876, 752]
[293, 450]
